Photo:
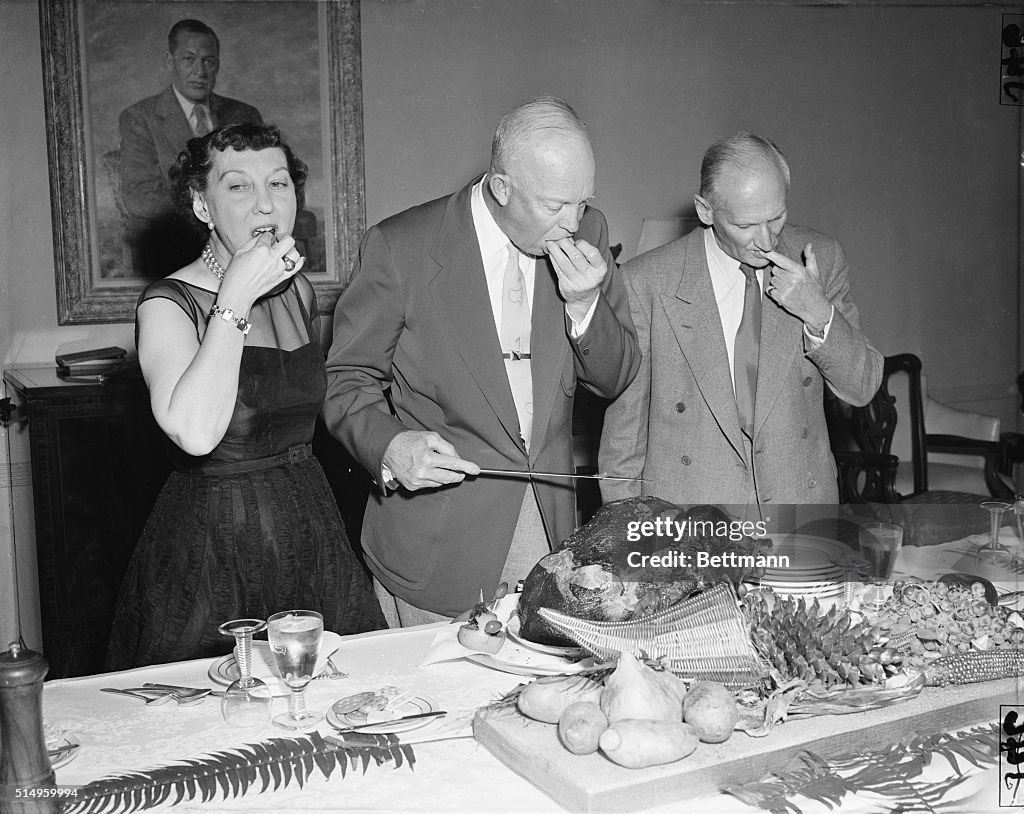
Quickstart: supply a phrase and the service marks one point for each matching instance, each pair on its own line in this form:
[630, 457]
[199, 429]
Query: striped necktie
[747, 349]
[515, 341]
[201, 124]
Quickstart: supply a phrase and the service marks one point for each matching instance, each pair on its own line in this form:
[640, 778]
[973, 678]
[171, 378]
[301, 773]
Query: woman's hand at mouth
[259, 265]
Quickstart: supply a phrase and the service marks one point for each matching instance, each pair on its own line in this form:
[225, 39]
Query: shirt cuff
[577, 329]
[815, 340]
[387, 479]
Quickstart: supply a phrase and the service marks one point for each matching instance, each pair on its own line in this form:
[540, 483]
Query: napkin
[446, 647]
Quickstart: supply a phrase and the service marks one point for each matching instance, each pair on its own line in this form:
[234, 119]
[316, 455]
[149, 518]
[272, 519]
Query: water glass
[295, 644]
[880, 544]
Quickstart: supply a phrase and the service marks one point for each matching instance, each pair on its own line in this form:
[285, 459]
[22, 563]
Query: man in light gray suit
[155, 130]
[741, 324]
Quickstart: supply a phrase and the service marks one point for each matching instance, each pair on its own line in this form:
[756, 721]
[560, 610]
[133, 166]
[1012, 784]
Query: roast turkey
[609, 570]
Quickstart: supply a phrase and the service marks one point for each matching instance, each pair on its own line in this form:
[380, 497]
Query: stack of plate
[811, 568]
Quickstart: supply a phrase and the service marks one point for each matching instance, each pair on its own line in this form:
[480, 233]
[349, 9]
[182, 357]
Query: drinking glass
[879, 545]
[993, 552]
[295, 642]
[246, 702]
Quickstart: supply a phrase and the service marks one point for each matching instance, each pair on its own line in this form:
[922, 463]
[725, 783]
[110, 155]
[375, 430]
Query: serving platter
[592, 783]
[518, 660]
[567, 652]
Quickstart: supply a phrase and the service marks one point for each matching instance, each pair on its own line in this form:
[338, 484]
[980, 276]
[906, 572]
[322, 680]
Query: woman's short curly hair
[191, 171]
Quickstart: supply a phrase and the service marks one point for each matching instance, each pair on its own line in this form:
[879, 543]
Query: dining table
[451, 771]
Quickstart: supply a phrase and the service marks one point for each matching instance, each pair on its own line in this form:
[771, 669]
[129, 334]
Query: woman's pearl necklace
[216, 269]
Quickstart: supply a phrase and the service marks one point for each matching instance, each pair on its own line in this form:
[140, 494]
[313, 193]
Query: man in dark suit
[742, 323]
[155, 130]
[480, 311]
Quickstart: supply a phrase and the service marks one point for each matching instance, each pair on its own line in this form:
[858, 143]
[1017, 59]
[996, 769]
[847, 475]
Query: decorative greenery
[893, 773]
[270, 764]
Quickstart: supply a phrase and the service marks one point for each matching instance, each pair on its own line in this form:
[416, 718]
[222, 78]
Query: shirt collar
[492, 240]
[717, 257]
[187, 105]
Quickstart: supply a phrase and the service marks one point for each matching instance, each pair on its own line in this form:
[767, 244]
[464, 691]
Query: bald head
[740, 156]
[543, 120]
[542, 174]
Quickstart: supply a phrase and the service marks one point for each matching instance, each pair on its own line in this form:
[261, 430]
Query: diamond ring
[289, 264]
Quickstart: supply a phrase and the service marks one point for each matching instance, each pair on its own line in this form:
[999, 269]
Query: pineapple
[827, 650]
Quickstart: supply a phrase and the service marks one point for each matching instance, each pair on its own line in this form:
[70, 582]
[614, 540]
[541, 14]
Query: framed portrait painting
[116, 102]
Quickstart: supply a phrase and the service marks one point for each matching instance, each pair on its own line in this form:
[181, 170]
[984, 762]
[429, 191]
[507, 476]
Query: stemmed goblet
[295, 642]
[879, 545]
[993, 552]
[246, 702]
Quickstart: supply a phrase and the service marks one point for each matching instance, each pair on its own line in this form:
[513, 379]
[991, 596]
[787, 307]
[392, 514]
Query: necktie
[746, 350]
[515, 341]
[201, 120]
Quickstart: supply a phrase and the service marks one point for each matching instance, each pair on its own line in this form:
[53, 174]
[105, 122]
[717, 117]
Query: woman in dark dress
[246, 525]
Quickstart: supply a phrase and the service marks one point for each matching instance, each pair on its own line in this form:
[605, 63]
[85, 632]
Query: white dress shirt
[188, 107]
[494, 253]
[729, 284]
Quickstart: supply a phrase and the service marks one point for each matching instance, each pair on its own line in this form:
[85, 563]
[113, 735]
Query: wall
[889, 116]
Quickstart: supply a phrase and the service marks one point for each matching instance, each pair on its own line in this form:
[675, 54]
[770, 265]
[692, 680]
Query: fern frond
[271, 764]
[893, 772]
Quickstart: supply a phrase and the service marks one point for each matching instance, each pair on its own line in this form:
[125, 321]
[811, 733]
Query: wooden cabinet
[98, 462]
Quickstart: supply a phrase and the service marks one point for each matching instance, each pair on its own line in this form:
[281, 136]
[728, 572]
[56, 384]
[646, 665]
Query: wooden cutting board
[592, 783]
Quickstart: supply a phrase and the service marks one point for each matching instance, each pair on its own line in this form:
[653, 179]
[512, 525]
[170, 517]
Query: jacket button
[803, 434]
[811, 483]
[685, 459]
[586, 351]
[680, 407]
[807, 379]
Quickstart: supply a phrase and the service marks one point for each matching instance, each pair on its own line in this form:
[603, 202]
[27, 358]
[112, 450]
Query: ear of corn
[975, 665]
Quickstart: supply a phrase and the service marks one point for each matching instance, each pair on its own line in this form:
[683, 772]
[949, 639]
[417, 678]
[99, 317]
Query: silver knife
[520, 473]
[434, 714]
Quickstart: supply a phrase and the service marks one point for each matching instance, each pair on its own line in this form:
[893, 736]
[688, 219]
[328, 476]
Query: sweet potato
[546, 698]
[636, 743]
[711, 709]
[580, 726]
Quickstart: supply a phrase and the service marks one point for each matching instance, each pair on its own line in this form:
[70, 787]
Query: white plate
[801, 583]
[821, 594]
[806, 550]
[224, 670]
[569, 652]
[518, 660]
[414, 706]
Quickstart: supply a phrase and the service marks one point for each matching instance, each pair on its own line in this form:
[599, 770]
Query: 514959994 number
[15, 793]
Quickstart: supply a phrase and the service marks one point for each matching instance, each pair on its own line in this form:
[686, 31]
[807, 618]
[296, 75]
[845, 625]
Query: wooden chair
[863, 438]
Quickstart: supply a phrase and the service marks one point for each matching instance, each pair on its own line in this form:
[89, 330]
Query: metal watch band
[228, 315]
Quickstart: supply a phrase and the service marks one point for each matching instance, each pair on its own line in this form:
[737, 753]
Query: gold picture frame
[101, 56]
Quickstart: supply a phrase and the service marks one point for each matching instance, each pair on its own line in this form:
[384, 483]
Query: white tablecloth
[120, 734]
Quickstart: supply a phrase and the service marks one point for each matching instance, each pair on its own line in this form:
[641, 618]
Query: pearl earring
[210, 224]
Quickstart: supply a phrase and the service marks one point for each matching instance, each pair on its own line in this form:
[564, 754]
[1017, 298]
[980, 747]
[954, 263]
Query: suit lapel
[173, 123]
[693, 316]
[548, 345]
[459, 291]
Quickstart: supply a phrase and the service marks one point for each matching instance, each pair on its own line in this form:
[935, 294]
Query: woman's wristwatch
[228, 315]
